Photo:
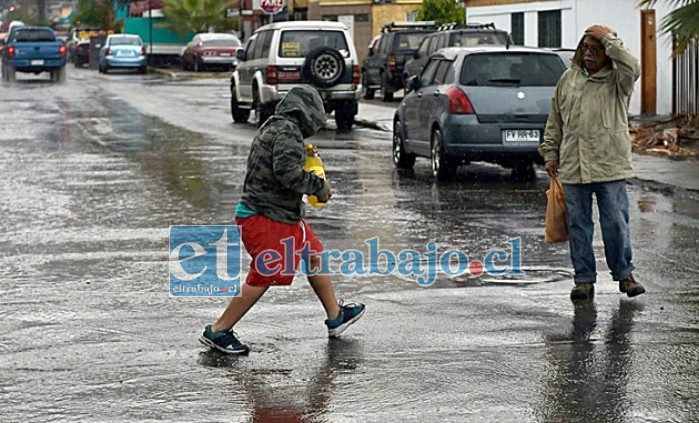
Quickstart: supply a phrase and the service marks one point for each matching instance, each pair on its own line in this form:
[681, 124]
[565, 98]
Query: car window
[250, 47]
[428, 73]
[433, 45]
[299, 43]
[445, 73]
[34, 35]
[130, 41]
[264, 41]
[221, 42]
[520, 69]
[472, 39]
[409, 41]
[382, 45]
[422, 51]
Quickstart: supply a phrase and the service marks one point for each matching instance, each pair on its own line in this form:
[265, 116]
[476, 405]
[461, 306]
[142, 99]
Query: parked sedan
[477, 104]
[210, 50]
[123, 51]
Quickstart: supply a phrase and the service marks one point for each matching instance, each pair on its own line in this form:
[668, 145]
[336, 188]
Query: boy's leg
[239, 306]
[323, 287]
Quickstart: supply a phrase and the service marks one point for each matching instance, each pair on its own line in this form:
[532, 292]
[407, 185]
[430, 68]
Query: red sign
[271, 7]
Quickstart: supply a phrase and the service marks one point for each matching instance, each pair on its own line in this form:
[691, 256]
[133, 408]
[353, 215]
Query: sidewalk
[662, 172]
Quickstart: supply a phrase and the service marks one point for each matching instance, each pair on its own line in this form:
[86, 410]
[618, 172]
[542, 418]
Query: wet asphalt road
[95, 170]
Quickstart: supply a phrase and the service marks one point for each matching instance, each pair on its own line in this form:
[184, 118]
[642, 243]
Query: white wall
[576, 15]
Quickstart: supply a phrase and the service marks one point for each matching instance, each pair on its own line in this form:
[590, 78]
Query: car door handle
[436, 93]
[419, 94]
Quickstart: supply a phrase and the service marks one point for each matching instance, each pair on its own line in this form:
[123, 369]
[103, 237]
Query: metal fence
[685, 81]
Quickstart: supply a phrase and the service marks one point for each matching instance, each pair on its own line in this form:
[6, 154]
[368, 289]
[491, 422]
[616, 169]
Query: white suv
[282, 55]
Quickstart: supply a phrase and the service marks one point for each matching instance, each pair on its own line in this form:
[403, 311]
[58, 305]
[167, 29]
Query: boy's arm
[288, 159]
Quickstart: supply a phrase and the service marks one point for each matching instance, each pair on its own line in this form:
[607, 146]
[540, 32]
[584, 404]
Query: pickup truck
[33, 50]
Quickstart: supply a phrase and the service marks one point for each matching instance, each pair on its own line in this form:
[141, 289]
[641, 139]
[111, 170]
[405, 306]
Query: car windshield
[300, 43]
[507, 69]
[472, 39]
[221, 42]
[34, 35]
[129, 41]
[409, 41]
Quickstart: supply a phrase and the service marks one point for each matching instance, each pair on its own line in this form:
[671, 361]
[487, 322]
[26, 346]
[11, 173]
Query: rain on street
[96, 169]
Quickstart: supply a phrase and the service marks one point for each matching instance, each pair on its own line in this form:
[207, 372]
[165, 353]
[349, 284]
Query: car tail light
[143, 51]
[459, 104]
[108, 52]
[272, 75]
[11, 51]
[392, 63]
[356, 75]
[62, 50]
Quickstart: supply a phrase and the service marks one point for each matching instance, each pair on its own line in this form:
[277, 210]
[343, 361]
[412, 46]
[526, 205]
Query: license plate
[125, 53]
[521, 135]
[224, 54]
[289, 76]
[37, 62]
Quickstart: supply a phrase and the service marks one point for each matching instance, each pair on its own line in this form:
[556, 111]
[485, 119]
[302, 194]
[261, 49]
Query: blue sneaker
[349, 314]
[223, 340]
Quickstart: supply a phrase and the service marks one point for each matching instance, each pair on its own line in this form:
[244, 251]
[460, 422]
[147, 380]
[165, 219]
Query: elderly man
[587, 145]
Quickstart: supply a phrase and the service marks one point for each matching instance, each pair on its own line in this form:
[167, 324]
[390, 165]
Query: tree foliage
[682, 23]
[441, 11]
[94, 13]
[185, 16]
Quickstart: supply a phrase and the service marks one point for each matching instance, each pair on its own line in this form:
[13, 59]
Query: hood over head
[303, 105]
[577, 60]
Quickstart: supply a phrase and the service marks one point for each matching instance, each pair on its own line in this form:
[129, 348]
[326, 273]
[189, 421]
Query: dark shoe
[631, 287]
[583, 291]
[224, 341]
[349, 314]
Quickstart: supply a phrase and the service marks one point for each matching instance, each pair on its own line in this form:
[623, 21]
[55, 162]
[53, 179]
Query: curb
[371, 124]
[175, 75]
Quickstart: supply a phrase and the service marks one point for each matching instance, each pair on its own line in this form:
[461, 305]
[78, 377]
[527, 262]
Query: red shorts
[274, 247]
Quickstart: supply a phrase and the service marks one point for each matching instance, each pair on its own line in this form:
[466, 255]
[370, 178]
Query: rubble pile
[670, 138]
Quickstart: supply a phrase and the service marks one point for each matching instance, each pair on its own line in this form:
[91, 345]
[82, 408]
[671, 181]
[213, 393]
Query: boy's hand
[327, 197]
[598, 31]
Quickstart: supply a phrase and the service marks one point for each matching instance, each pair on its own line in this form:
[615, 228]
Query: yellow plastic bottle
[314, 164]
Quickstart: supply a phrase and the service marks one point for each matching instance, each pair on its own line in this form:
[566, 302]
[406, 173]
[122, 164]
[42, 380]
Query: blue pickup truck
[33, 50]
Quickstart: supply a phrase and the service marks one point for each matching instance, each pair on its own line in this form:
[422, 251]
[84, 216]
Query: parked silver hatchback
[477, 104]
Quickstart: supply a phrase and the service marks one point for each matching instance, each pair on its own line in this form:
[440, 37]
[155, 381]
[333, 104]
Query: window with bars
[550, 28]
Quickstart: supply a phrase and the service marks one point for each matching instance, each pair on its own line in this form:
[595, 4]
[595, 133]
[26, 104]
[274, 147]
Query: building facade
[561, 23]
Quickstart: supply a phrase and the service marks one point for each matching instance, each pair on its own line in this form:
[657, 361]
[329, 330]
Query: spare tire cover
[324, 66]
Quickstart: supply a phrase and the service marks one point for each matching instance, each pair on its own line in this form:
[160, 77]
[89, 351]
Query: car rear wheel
[239, 115]
[344, 115]
[442, 169]
[262, 111]
[367, 92]
[386, 89]
[324, 67]
[523, 171]
[401, 158]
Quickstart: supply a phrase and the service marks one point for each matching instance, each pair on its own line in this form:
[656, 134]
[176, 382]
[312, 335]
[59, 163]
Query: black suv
[470, 35]
[383, 67]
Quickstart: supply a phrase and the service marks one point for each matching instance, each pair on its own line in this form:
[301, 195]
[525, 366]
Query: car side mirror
[414, 83]
[240, 55]
[371, 51]
[416, 55]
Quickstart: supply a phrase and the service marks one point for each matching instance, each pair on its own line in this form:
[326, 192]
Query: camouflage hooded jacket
[587, 130]
[275, 180]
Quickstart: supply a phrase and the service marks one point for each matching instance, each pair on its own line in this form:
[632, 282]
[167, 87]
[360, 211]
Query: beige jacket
[587, 130]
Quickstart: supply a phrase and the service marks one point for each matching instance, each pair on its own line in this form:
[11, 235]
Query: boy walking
[272, 209]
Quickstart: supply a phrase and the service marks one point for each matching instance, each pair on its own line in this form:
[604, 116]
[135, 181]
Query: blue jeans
[613, 207]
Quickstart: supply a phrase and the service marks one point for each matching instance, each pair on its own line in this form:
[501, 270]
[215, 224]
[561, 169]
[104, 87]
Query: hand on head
[598, 31]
